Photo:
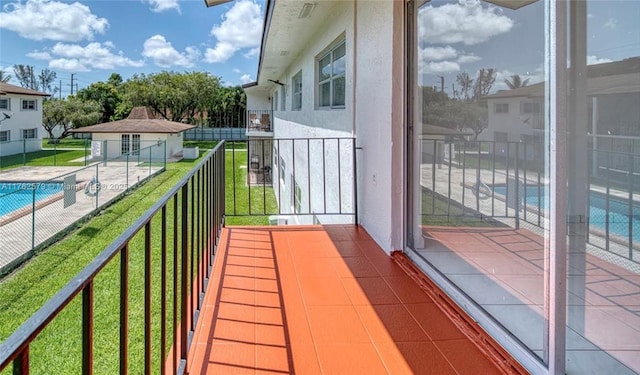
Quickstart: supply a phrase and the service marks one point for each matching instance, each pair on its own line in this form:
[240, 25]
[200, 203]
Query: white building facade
[20, 120]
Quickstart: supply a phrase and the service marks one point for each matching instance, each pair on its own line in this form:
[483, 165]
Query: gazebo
[139, 130]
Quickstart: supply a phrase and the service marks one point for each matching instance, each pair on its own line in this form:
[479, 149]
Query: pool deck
[23, 230]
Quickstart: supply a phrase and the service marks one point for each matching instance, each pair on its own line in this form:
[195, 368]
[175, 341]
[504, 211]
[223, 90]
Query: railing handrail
[11, 347]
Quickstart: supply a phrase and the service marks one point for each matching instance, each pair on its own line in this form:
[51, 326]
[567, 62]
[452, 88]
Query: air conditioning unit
[278, 220]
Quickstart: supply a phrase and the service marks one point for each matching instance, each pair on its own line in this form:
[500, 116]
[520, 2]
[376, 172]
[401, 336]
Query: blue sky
[93, 39]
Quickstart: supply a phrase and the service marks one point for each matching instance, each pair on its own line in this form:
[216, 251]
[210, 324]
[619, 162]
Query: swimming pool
[618, 210]
[17, 195]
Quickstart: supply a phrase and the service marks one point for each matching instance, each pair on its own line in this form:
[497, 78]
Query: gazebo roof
[140, 120]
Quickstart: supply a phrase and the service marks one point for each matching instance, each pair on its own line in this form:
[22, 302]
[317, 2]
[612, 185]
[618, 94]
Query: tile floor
[321, 300]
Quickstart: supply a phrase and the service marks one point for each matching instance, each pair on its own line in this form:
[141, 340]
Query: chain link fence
[38, 204]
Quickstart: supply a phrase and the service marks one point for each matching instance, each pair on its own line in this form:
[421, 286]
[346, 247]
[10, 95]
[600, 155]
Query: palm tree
[4, 78]
[516, 82]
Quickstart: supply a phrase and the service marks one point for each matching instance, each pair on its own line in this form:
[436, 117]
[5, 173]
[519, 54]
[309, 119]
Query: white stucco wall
[373, 112]
[20, 120]
[513, 123]
[147, 140]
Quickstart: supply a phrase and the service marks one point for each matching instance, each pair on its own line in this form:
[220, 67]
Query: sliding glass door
[524, 165]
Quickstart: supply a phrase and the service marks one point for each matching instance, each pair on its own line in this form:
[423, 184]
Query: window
[275, 101]
[124, 144]
[331, 78]
[502, 108]
[296, 94]
[531, 108]
[29, 133]
[501, 137]
[5, 136]
[283, 99]
[298, 196]
[5, 104]
[29, 105]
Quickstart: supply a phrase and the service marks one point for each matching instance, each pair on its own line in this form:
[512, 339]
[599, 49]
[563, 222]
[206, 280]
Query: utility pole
[60, 92]
[71, 83]
[441, 83]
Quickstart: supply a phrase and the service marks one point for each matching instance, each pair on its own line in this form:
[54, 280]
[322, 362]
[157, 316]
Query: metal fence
[187, 223]
[294, 181]
[506, 180]
[215, 134]
[39, 204]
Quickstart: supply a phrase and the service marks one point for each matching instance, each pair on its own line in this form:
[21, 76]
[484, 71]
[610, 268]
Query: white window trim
[35, 133]
[8, 101]
[35, 104]
[501, 104]
[8, 135]
[329, 52]
[296, 93]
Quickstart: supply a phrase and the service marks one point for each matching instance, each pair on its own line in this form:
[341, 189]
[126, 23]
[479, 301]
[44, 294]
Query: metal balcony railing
[190, 217]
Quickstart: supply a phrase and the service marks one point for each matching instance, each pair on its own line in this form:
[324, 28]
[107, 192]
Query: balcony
[259, 123]
[298, 299]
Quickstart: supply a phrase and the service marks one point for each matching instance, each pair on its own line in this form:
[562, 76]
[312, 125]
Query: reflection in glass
[480, 190]
[479, 110]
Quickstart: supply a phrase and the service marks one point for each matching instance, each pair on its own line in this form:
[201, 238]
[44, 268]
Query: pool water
[17, 195]
[618, 210]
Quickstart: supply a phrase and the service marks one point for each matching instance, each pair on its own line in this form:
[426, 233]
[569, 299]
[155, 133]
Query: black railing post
[21, 363]
[124, 309]
[185, 271]
[163, 291]
[175, 334]
[87, 329]
[355, 180]
[147, 298]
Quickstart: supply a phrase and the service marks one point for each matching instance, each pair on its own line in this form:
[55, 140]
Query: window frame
[283, 99]
[499, 108]
[25, 133]
[6, 134]
[332, 77]
[296, 92]
[5, 100]
[25, 101]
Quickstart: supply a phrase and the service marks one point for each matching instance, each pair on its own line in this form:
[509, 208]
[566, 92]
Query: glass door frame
[555, 291]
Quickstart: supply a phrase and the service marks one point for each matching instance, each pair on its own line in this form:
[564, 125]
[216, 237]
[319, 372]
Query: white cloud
[246, 78]
[468, 59]
[467, 22]
[438, 53]
[39, 55]
[46, 19]
[164, 55]
[593, 60]
[253, 52]
[236, 70]
[440, 67]
[241, 28]
[92, 56]
[162, 5]
[610, 24]
[534, 77]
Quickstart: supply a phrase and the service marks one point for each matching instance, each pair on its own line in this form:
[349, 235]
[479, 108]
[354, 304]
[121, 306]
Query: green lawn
[24, 291]
[43, 158]
[262, 199]
[27, 289]
[66, 143]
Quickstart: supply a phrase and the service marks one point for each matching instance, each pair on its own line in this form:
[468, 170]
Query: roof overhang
[211, 3]
[511, 4]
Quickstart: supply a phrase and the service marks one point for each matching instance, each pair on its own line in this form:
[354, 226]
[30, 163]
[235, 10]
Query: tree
[516, 82]
[484, 82]
[4, 77]
[45, 79]
[466, 84]
[53, 115]
[70, 113]
[105, 94]
[25, 76]
[175, 96]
